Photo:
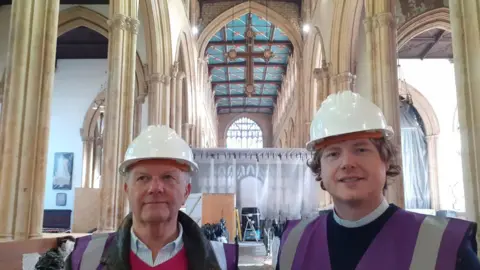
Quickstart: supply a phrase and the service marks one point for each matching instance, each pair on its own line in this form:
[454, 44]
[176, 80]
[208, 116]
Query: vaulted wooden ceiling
[432, 44]
[247, 60]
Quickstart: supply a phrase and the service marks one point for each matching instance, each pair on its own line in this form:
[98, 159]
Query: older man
[156, 235]
[353, 157]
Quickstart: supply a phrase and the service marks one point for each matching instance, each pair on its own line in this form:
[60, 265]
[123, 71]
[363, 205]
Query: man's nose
[156, 185]
[348, 160]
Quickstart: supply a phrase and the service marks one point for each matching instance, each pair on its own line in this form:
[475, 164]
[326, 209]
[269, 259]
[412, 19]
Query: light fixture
[194, 30]
[306, 28]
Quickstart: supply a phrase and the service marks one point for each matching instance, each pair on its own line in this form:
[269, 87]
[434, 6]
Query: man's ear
[188, 189]
[125, 185]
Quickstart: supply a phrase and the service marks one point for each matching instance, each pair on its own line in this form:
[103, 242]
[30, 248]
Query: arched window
[244, 133]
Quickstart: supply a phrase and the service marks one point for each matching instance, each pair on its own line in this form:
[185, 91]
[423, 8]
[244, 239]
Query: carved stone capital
[132, 25]
[344, 79]
[368, 25]
[159, 78]
[119, 21]
[122, 22]
[385, 19]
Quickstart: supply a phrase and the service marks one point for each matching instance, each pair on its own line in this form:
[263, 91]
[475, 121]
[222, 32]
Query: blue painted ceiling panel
[232, 73]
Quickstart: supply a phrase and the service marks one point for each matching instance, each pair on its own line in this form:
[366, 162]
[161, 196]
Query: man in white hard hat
[353, 157]
[158, 166]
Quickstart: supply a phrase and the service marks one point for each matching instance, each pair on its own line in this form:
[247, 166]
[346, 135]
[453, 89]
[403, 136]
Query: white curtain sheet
[277, 181]
[414, 160]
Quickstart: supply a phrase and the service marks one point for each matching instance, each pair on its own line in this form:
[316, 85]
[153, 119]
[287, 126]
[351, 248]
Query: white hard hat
[158, 142]
[346, 113]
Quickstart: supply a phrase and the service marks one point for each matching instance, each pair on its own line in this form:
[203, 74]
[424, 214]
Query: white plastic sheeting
[414, 160]
[277, 181]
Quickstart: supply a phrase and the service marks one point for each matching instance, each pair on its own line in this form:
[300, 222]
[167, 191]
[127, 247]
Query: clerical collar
[365, 220]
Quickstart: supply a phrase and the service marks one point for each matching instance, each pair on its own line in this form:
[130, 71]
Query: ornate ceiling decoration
[247, 61]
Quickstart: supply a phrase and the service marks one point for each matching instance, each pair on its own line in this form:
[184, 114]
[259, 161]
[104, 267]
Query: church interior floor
[253, 256]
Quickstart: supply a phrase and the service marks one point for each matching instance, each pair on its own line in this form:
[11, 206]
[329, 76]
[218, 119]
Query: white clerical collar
[365, 220]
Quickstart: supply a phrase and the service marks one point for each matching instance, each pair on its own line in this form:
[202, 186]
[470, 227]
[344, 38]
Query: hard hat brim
[387, 134]
[126, 164]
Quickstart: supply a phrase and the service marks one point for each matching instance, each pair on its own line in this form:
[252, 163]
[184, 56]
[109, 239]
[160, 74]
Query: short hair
[388, 154]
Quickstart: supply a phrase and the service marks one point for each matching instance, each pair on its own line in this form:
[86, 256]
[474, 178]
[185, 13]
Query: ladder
[250, 229]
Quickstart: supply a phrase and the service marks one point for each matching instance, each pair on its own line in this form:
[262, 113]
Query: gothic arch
[92, 142]
[186, 54]
[156, 25]
[424, 108]
[345, 25]
[241, 9]
[436, 18]
[91, 116]
[75, 17]
[315, 57]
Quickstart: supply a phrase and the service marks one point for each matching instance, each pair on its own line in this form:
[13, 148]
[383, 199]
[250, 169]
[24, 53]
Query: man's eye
[332, 154]
[142, 178]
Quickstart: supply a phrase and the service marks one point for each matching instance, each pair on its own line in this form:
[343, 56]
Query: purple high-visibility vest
[408, 241]
[89, 249]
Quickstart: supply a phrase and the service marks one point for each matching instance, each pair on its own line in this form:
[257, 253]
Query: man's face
[156, 190]
[352, 171]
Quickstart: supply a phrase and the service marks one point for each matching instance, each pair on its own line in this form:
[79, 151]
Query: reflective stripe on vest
[220, 254]
[291, 243]
[93, 254]
[428, 243]
[425, 254]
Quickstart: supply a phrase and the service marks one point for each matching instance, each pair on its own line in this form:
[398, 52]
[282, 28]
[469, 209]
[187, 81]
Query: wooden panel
[217, 206]
[86, 211]
[11, 253]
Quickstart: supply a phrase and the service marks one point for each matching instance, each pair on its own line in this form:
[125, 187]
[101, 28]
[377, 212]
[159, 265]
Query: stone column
[87, 161]
[26, 117]
[179, 105]
[464, 17]
[383, 77]
[120, 98]
[186, 132]
[158, 98]
[137, 125]
[173, 96]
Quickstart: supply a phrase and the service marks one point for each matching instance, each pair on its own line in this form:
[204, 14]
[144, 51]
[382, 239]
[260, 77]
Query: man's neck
[156, 236]
[357, 211]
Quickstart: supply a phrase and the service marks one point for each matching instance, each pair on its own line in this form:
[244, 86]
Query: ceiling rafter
[429, 47]
[217, 97]
[432, 44]
[257, 42]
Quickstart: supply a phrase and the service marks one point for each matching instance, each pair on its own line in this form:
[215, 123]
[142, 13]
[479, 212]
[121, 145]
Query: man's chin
[156, 218]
